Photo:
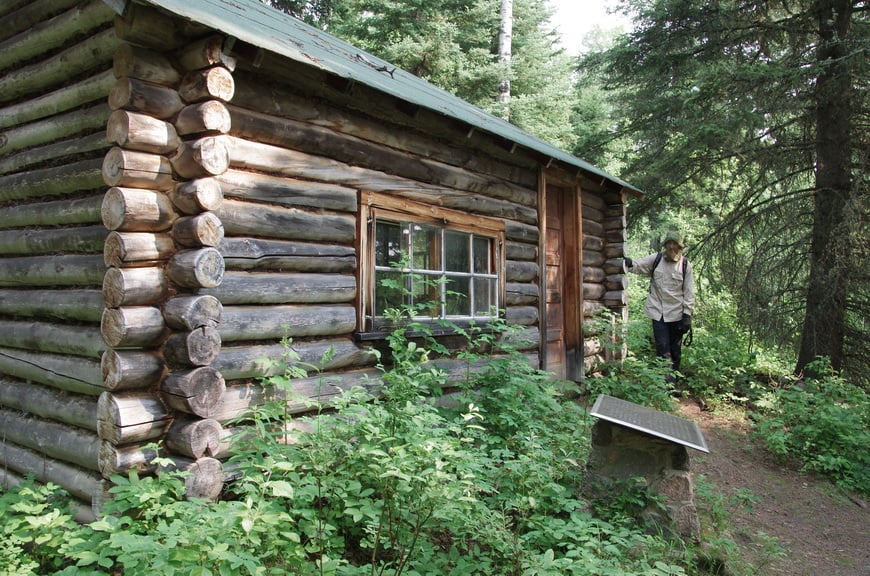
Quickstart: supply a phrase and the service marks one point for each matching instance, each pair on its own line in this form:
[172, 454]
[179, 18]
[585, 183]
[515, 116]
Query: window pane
[426, 247]
[457, 301]
[482, 255]
[484, 296]
[388, 243]
[389, 290]
[456, 245]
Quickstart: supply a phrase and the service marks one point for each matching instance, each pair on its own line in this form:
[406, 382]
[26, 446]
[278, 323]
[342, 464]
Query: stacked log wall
[55, 76]
[605, 297]
[234, 199]
[171, 213]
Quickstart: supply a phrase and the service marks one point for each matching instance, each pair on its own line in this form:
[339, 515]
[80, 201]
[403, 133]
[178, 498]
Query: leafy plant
[823, 422]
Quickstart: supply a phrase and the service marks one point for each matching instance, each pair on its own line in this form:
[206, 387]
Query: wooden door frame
[572, 282]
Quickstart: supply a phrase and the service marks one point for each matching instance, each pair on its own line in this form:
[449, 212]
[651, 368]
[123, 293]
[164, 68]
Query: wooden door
[563, 354]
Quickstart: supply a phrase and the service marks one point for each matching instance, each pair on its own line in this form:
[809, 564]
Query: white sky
[574, 18]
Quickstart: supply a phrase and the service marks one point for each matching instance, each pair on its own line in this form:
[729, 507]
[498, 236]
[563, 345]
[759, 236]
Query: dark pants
[668, 338]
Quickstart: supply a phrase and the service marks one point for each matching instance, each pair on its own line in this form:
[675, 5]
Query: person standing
[671, 300]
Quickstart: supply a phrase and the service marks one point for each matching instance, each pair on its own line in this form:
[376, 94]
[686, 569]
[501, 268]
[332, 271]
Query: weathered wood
[274, 322]
[69, 212]
[90, 89]
[144, 64]
[192, 312]
[214, 83]
[263, 360]
[137, 248]
[130, 370]
[414, 171]
[284, 288]
[134, 286]
[288, 191]
[56, 440]
[614, 266]
[591, 274]
[75, 147]
[521, 293]
[591, 258]
[68, 305]
[593, 291]
[239, 399]
[203, 268]
[244, 218]
[617, 210]
[616, 282]
[55, 181]
[280, 101]
[197, 196]
[124, 418]
[78, 482]
[519, 232]
[41, 132]
[137, 210]
[131, 169]
[201, 158]
[194, 437]
[199, 347]
[615, 298]
[591, 199]
[204, 229]
[51, 337]
[521, 251]
[591, 308]
[594, 214]
[91, 53]
[615, 250]
[146, 97]
[197, 391]
[70, 270]
[49, 403]
[615, 236]
[210, 117]
[135, 131]
[16, 17]
[615, 223]
[520, 271]
[262, 254]
[592, 243]
[592, 346]
[206, 53]
[204, 479]
[34, 242]
[593, 228]
[521, 315]
[114, 459]
[132, 326]
[147, 26]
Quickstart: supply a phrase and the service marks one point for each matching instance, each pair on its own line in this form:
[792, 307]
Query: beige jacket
[670, 295]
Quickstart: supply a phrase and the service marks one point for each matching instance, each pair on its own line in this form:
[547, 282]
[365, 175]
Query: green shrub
[822, 422]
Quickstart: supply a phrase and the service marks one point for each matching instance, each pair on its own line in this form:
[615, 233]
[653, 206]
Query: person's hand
[686, 324]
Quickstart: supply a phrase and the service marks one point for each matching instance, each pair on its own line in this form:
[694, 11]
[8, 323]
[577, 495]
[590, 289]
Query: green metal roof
[265, 27]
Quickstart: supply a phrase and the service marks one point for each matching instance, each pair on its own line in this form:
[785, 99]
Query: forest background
[745, 123]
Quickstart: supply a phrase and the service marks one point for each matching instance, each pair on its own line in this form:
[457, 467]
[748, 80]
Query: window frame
[384, 206]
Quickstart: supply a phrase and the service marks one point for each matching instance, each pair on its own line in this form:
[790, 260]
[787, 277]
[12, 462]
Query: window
[439, 263]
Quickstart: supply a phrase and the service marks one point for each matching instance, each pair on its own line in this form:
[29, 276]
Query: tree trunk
[505, 36]
[825, 320]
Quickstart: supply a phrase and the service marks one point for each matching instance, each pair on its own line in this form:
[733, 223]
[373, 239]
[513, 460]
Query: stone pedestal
[620, 454]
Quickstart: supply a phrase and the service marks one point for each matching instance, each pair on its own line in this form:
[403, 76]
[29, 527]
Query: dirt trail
[823, 531]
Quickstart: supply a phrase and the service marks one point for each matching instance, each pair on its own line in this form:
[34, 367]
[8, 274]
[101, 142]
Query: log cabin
[184, 184]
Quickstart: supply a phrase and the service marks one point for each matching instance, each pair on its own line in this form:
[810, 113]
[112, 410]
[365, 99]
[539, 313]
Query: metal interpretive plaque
[649, 420]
